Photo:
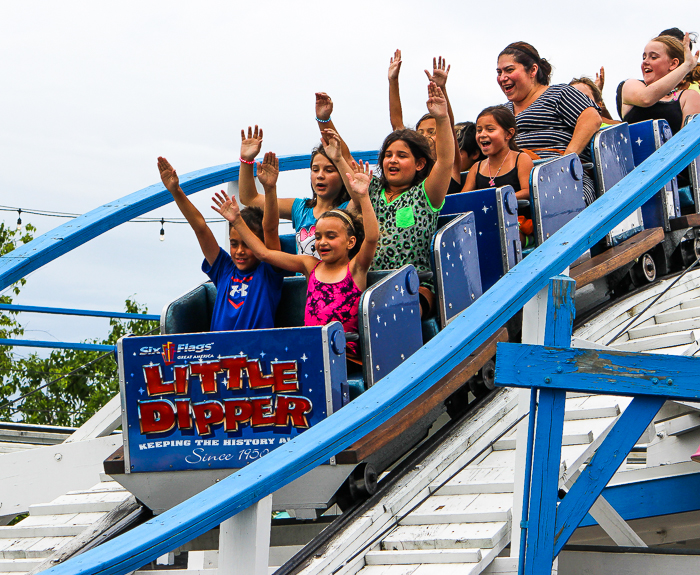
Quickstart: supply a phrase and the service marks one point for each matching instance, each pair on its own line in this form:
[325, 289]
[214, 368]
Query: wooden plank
[422, 406]
[593, 371]
[410, 380]
[608, 458]
[614, 258]
[110, 523]
[614, 525]
[684, 222]
[429, 556]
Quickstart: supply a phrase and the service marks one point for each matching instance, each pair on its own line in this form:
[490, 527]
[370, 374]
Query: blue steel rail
[415, 376]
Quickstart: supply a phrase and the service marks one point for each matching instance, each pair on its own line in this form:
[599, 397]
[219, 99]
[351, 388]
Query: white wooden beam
[614, 525]
[104, 422]
[244, 541]
[64, 467]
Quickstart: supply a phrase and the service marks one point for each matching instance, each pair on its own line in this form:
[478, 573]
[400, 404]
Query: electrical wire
[139, 220]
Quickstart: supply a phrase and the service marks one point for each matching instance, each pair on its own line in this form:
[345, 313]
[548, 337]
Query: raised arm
[332, 145]
[587, 125]
[229, 209]
[268, 170]
[359, 182]
[636, 93]
[250, 148]
[439, 76]
[205, 237]
[439, 179]
[324, 109]
[395, 111]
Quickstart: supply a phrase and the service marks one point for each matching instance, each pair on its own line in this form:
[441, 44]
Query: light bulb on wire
[19, 220]
[162, 230]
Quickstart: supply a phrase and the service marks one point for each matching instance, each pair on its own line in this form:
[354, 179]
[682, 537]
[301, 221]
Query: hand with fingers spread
[437, 105]
[331, 144]
[360, 179]
[395, 66]
[250, 146]
[600, 78]
[226, 206]
[268, 170]
[324, 106]
[439, 75]
[168, 175]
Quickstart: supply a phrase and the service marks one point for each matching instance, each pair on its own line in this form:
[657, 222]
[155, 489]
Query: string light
[19, 220]
[162, 230]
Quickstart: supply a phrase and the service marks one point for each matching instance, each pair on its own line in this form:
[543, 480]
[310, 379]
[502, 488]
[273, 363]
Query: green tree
[72, 384]
[67, 387]
[10, 238]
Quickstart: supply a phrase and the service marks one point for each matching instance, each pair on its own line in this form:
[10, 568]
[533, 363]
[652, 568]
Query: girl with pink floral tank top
[344, 242]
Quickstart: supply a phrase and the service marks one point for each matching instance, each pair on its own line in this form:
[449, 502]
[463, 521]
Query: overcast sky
[93, 92]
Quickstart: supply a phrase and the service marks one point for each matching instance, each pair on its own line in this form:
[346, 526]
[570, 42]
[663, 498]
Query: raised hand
[168, 175]
[331, 143]
[395, 66]
[437, 105]
[359, 181]
[600, 78]
[689, 57]
[227, 207]
[250, 146]
[324, 106]
[268, 170]
[439, 75]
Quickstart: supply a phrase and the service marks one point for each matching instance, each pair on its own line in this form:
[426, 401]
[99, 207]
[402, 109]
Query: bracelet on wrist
[250, 163]
[323, 121]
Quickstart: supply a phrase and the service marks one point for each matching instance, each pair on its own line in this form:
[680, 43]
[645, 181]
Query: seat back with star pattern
[455, 257]
[496, 223]
[611, 149]
[556, 194]
[662, 207]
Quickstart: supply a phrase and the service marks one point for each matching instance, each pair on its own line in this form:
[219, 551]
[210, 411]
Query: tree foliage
[68, 386]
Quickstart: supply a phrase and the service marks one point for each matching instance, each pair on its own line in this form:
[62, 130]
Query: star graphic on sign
[460, 257]
[448, 256]
[470, 231]
[141, 390]
[485, 209]
[241, 354]
[304, 358]
[617, 158]
[402, 290]
[262, 354]
[378, 318]
[559, 190]
[638, 141]
[625, 139]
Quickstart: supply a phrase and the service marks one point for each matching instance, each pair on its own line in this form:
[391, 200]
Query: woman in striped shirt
[551, 120]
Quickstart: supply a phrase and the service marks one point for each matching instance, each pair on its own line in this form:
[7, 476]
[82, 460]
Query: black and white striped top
[549, 122]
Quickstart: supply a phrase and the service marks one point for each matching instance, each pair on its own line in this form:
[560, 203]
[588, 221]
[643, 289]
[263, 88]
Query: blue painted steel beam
[594, 371]
[546, 454]
[652, 497]
[57, 344]
[415, 376]
[606, 461]
[86, 312]
[66, 237]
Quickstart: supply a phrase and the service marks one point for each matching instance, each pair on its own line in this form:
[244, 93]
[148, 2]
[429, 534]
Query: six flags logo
[168, 353]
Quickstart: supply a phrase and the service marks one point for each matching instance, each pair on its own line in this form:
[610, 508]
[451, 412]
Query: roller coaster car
[198, 405]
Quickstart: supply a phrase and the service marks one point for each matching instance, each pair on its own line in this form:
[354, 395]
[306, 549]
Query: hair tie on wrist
[250, 163]
[324, 121]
